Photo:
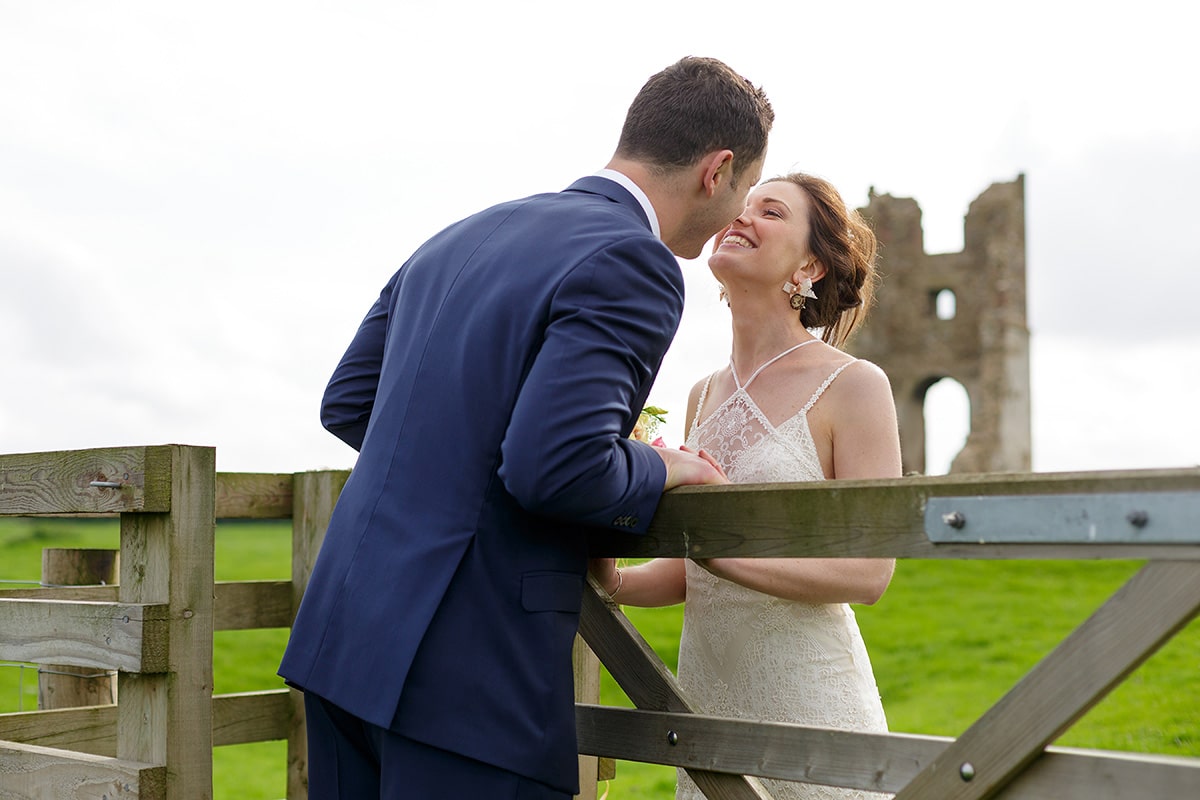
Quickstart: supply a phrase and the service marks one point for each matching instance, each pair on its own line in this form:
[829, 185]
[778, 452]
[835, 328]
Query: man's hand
[686, 467]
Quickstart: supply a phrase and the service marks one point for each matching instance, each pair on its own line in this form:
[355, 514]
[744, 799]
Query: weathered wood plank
[639, 671]
[633, 664]
[30, 771]
[70, 686]
[251, 717]
[878, 518]
[1156, 603]
[587, 690]
[243, 605]
[91, 729]
[316, 494]
[237, 719]
[125, 636]
[873, 762]
[168, 558]
[254, 495]
[238, 605]
[74, 566]
[743, 747]
[99, 594]
[62, 482]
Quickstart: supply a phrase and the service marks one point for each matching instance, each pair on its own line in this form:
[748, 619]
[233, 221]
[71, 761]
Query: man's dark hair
[694, 107]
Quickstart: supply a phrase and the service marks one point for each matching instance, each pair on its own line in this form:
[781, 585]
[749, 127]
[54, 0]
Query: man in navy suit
[490, 392]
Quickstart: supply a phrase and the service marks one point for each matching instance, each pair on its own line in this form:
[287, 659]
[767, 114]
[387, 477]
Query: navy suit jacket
[490, 391]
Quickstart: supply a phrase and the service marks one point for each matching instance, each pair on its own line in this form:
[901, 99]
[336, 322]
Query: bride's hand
[707, 456]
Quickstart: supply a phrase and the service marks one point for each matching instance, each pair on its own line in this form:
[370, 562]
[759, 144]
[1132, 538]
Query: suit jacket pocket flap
[552, 591]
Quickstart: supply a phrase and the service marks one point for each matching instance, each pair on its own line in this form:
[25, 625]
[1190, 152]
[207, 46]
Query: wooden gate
[1153, 514]
[156, 628]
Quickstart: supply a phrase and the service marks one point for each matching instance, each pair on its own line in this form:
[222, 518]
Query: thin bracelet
[620, 580]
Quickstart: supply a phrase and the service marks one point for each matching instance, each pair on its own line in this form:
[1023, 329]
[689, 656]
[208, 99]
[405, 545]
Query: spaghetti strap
[825, 385]
[700, 402]
[768, 363]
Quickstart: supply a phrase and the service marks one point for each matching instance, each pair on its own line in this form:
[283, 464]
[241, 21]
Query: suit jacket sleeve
[350, 395]
[566, 453]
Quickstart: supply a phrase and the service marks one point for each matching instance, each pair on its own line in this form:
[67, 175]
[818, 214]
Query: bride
[776, 639]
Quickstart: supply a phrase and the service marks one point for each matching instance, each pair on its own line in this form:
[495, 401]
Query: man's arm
[565, 453]
[350, 395]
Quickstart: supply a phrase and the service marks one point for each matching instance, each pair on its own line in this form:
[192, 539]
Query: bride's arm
[809, 580]
[659, 582]
[865, 443]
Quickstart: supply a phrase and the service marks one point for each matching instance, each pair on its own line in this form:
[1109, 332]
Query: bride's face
[768, 243]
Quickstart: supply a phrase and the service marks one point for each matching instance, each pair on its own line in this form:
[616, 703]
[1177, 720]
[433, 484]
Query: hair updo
[843, 242]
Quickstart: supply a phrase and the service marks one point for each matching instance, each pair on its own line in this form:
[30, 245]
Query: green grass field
[947, 641]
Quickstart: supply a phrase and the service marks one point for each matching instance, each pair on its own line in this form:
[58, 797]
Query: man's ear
[718, 167]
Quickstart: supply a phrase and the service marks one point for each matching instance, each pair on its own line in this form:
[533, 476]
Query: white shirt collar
[635, 190]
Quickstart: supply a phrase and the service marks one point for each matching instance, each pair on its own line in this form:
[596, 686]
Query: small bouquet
[647, 425]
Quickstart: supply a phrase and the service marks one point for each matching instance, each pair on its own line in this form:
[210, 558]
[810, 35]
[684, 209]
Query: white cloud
[199, 204]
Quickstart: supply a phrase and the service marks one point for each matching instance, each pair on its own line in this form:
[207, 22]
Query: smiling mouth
[737, 240]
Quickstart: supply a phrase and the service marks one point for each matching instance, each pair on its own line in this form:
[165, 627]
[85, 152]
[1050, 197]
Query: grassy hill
[948, 639]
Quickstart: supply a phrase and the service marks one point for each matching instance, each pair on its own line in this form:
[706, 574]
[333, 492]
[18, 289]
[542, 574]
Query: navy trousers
[350, 759]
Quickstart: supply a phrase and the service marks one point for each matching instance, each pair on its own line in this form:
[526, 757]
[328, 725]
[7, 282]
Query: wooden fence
[156, 628]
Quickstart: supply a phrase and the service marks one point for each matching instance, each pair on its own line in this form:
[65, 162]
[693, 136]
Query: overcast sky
[199, 202]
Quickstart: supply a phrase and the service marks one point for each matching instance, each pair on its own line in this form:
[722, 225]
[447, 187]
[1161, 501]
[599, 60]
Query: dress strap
[700, 402]
[825, 385]
[769, 362]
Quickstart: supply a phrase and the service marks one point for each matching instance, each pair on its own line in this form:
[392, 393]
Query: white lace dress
[748, 655]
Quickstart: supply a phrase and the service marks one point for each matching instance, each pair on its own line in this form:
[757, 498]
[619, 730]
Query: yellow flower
[647, 423]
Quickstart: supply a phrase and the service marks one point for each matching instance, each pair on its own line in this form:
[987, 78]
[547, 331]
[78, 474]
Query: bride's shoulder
[861, 381]
[707, 381]
[863, 373]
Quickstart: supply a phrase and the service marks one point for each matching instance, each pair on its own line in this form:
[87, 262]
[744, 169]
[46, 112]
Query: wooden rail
[1003, 753]
[157, 626]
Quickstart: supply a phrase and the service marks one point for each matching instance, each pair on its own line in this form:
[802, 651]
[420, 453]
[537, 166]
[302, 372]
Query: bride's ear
[814, 270]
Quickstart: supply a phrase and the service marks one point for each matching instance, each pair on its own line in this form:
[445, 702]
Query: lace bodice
[746, 654]
[749, 447]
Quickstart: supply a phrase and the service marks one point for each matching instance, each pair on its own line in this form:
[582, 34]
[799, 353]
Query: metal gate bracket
[1142, 518]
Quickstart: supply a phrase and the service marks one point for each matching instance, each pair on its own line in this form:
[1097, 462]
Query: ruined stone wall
[984, 346]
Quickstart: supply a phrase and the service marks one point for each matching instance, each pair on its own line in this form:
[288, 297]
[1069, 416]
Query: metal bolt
[1138, 519]
[189, 614]
[954, 519]
[672, 738]
[967, 771]
[106, 484]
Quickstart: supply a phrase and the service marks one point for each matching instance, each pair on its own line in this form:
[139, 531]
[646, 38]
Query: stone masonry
[983, 343]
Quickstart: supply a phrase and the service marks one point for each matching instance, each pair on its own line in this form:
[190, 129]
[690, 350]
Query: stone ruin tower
[955, 315]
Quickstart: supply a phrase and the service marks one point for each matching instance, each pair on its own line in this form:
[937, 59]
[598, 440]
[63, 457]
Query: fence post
[313, 497]
[166, 718]
[61, 686]
[587, 690]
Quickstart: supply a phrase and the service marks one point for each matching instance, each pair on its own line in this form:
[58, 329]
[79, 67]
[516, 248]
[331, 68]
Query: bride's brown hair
[843, 242]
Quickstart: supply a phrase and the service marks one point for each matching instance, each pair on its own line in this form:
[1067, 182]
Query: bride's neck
[758, 338]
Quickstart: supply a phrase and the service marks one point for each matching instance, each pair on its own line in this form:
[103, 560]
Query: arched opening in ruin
[945, 304]
[947, 413]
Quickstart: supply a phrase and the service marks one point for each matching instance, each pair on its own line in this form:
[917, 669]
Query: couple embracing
[490, 392]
